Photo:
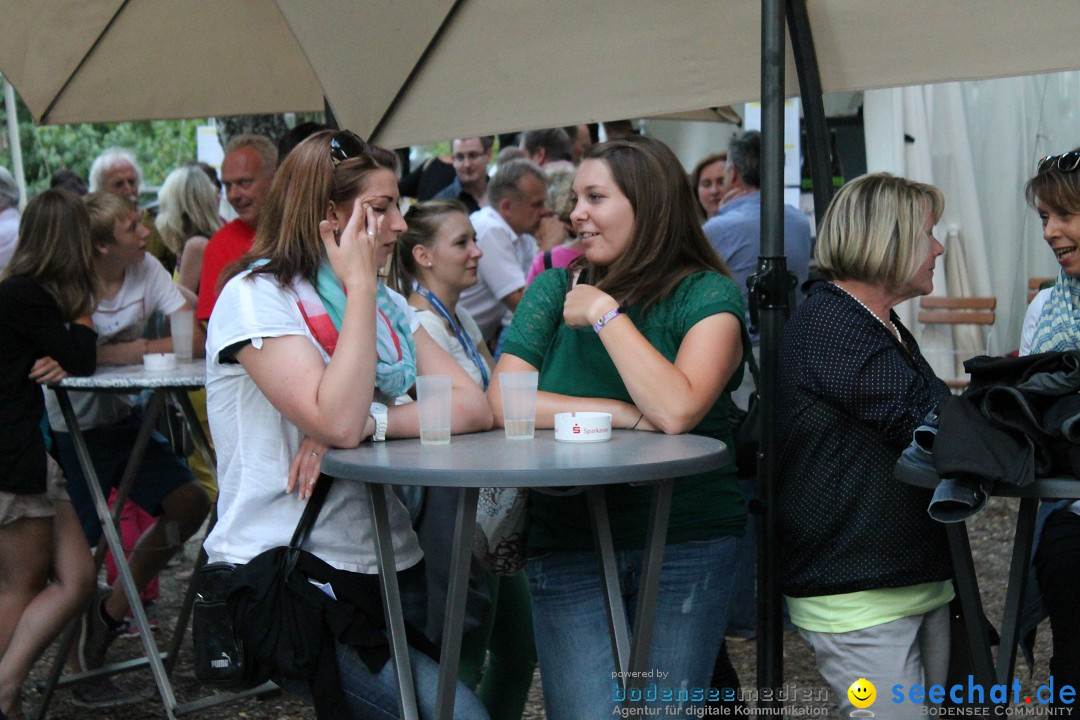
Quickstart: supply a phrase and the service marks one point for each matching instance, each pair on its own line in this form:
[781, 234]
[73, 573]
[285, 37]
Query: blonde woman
[866, 571]
[187, 218]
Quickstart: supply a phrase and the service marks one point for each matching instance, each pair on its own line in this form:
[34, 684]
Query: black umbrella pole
[772, 293]
[770, 651]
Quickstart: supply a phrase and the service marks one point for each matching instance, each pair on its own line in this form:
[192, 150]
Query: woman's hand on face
[304, 468]
[352, 252]
[585, 305]
[46, 370]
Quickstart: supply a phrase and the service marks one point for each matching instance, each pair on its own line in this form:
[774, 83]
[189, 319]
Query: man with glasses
[246, 174]
[471, 157]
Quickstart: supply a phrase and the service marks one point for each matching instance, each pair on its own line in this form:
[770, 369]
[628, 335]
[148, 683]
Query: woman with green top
[648, 326]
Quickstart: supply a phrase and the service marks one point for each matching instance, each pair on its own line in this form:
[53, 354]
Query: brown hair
[695, 176]
[303, 188]
[667, 243]
[54, 249]
[105, 210]
[1059, 190]
[424, 220]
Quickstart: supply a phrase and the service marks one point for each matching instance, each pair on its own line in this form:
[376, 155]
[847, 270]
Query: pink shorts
[18, 507]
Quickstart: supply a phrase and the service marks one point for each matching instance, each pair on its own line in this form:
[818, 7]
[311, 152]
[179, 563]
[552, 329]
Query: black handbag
[746, 428]
[221, 657]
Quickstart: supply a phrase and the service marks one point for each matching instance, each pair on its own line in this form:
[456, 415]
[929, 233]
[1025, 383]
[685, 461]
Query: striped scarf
[1058, 329]
[323, 307]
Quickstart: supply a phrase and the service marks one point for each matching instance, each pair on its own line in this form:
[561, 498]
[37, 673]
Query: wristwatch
[378, 414]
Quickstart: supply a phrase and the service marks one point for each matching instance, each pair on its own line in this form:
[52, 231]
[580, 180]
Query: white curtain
[979, 142]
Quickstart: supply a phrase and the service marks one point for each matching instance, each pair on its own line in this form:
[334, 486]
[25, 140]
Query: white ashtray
[159, 362]
[584, 427]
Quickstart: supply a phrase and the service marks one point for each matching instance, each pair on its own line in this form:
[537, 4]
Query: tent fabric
[500, 65]
[985, 138]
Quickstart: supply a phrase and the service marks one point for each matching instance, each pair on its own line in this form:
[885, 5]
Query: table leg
[649, 584]
[202, 443]
[1014, 596]
[454, 621]
[967, 585]
[180, 397]
[112, 538]
[395, 622]
[609, 577]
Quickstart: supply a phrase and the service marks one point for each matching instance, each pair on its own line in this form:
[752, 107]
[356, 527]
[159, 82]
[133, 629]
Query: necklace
[888, 326]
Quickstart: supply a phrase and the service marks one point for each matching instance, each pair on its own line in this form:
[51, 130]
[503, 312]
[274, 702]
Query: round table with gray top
[488, 459]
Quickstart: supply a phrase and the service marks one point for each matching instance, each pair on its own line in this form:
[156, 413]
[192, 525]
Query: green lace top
[574, 362]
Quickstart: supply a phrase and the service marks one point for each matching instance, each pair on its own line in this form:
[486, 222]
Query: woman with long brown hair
[46, 299]
[649, 327]
[307, 342]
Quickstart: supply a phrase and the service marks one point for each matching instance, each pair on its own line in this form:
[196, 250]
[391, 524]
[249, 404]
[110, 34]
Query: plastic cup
[519, 404]
[182, 324]
[433, 394]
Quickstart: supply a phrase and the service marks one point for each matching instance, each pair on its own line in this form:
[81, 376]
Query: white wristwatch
[378, 414]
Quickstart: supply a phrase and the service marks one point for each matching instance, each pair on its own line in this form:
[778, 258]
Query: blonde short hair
[873, 230]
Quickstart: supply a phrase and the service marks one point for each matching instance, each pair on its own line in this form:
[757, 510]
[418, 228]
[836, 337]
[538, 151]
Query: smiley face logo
[862, 693]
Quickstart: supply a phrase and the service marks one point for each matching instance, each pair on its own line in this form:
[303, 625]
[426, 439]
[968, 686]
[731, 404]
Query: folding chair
[1035, 284]
[970, 319]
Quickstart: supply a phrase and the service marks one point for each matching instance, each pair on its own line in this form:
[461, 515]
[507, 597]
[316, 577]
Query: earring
[429, 264]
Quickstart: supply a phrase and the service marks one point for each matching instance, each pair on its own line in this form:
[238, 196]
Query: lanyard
[463, 338]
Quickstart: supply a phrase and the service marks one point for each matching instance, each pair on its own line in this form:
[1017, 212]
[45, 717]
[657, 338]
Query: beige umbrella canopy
[111, 60]
[510, 64]
[409, 71]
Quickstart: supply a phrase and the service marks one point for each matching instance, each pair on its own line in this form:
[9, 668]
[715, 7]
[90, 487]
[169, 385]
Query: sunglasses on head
[1066, 162]
[346, 144]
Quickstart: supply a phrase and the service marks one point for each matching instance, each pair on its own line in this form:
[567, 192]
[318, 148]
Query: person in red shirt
[246, 174]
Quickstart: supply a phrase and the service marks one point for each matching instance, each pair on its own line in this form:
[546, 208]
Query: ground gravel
[991, 539]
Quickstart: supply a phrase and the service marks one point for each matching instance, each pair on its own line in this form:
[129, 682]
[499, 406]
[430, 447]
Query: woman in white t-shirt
[1053, 324]
[303, 343]
[434, 261]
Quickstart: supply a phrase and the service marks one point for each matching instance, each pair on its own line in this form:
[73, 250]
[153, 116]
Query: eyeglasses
[1066, 162]
[345, 145]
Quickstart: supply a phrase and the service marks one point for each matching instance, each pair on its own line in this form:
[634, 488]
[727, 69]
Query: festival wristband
[608, 317]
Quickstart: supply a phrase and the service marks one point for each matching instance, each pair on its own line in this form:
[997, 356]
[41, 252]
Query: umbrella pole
[770, 288]
[15, 143]
[818, 142]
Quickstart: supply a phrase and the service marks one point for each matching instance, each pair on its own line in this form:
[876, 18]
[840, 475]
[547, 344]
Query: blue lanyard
[462, 337]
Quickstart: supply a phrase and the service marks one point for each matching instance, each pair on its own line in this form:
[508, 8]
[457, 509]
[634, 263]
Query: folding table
[488, 459]
[170, 384]
[986, 671]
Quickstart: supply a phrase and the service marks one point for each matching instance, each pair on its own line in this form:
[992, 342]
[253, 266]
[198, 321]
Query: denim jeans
[573, 642]
[375, 696]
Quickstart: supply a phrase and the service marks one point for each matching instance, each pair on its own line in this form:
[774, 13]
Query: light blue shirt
[735, 233]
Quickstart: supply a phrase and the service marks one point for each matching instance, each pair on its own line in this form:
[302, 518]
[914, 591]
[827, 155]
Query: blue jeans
[375, 696]
[573, 642]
